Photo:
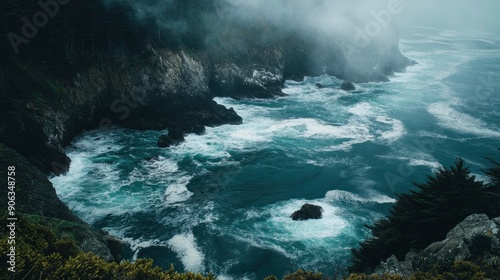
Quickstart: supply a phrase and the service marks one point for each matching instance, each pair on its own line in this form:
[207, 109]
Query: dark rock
[164, 141]
[197, 129]
[347, 86]
[37, 200]
[497, 221]
[318, 85]
[308, 211]
[458, 242]
[116, 246]
[393, 266]
[175, 137]
[474, 239]
[34, 192]
[246, 82]
[96, 246]
[153, 158]
[176, 134]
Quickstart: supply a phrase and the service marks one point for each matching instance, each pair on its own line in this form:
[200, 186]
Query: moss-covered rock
[41, 254]
[34, 192]
[37, 201]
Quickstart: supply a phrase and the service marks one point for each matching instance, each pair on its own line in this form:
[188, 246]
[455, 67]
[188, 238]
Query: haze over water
[221, 202]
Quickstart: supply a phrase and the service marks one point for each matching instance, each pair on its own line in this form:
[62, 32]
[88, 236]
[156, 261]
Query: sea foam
[450, 118]
[190, 255]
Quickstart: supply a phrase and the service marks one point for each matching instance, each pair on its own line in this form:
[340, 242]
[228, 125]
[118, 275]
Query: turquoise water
[221, 201]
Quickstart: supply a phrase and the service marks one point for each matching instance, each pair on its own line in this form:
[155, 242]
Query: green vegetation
[42, 255]
[424, 216]
[46, 247]
[48, 93]
[459, 270]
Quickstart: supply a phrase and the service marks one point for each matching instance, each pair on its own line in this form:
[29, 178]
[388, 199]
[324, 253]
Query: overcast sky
[481, 15]
[335, 15]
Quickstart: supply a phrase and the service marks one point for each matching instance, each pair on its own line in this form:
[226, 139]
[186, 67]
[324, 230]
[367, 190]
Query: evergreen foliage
[425, 215]
[40, 254]
[85, 30]
[459, 270]
[303, 275]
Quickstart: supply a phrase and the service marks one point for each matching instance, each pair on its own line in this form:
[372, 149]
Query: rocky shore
[54, 90]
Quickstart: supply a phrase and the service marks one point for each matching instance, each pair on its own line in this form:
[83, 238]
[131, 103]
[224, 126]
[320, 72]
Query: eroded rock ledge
[475, 238]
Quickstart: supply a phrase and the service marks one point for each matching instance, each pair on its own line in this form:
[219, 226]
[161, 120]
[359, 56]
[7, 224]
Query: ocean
[222, 201]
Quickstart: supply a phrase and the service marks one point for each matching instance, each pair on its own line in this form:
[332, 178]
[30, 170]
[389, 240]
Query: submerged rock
[308, 211]
[347, 86]
[153, 158]
[318, 85]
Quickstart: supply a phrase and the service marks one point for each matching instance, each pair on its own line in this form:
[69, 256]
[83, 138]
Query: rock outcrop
[174, 137]
[307, 211]
[155, 84]
[112, 70]
[155, 89]
[477, 238]
[37, 201]
[347, 86]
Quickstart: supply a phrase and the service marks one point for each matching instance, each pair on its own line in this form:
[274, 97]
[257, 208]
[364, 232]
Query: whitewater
[221, 202]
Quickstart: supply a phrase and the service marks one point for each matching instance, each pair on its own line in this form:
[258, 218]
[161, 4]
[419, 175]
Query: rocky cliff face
[36, 195]
[92, 72]
[477, 239]
[154, 89]
[115, 69]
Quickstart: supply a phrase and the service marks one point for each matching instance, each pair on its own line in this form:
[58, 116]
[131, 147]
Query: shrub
[303, 275]
[427, 214]
[42, 255]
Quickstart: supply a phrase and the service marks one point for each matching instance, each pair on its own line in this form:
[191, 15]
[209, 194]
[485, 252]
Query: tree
[428, 213]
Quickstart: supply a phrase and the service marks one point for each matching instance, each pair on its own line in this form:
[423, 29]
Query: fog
[338, 15]
[458, 15]
[338, 18]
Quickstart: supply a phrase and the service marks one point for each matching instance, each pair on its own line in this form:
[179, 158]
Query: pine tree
[425, 215]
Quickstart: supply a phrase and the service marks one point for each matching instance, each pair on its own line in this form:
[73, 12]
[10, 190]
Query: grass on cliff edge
[40, 254]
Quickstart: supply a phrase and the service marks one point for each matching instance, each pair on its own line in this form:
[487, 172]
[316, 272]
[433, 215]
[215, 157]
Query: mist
[367, 32]
[458, 15]
[335, 17]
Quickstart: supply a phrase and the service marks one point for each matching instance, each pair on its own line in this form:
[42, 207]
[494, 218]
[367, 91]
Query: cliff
[91, 66]
[475, 239]
[36, 200]
[111, 69]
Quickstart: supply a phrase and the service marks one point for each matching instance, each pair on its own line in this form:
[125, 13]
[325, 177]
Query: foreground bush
[42, 255]
[460, 270]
